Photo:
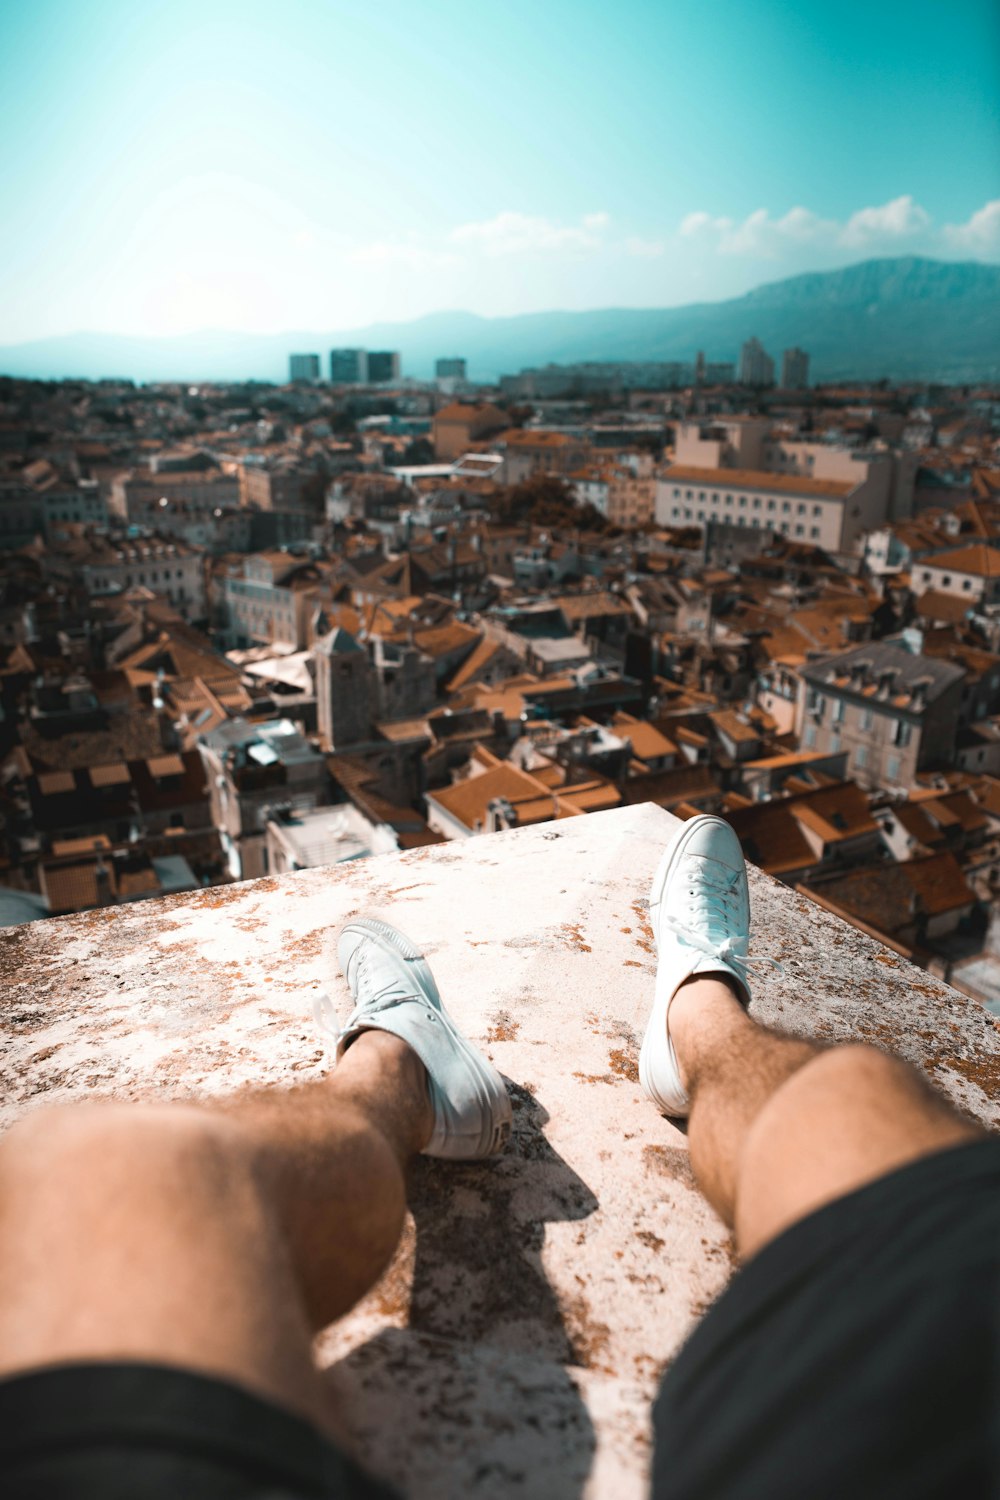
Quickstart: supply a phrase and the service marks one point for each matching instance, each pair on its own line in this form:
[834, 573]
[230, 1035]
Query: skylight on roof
[262, 754]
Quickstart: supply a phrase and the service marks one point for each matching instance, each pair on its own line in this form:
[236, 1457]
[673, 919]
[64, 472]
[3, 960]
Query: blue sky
[168, 165]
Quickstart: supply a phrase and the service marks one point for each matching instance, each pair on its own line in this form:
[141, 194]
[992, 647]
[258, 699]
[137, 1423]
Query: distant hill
[906, 318]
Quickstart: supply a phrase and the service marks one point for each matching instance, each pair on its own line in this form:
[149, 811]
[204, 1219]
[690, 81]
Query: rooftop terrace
[514, 1346]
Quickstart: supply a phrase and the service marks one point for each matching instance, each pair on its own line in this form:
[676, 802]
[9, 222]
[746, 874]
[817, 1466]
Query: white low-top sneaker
[699, 908]
[394, 990]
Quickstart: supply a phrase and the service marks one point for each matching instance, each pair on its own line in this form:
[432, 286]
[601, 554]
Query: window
[701, 494]
[677, 494]
[814, 533]
[946, 581]
[770, 505]
[809, 739]
[784, 528]
[786, 508]
[743, 502]
[801, 510]
[901, 733]
[966, 584]
[835, 743]
[817, 510]
[892, 766]
[800, 531]
[756, 521]
[729, 499]
[675, 512]
[861, 757]
[838, 711]
[756, 503]
[865, 720]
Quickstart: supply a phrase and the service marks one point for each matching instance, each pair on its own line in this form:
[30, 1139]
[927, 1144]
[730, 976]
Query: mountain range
[902, 319]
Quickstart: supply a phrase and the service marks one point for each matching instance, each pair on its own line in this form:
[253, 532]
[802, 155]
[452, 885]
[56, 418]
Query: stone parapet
[516, 1343]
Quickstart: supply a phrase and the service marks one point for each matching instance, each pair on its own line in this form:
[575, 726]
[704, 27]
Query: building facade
[450, 369]
[794, 370]
[892, 711]
[756, 365]
[304, 367]
[348, 366]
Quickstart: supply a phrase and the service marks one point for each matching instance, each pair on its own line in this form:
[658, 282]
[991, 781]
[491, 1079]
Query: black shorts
[857, 1355]
[149, 1432]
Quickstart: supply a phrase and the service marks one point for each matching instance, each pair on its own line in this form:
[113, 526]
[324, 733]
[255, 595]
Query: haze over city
[172, 168]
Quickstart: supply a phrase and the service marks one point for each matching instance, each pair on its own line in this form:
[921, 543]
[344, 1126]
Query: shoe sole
[490, 1091]
[657, 1023]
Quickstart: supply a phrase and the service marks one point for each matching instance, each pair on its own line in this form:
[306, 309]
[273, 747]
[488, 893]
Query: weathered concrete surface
[516, 1343]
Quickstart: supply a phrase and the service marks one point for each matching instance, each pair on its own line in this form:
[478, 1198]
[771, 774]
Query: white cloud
[697, 223]
[761, 237]
[980, 234]
[901, 218]
[512, 233]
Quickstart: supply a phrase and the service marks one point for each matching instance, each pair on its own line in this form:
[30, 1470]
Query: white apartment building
[166, 567]
[827, 513]
[268, 597]
[756, 365]
[971, 573]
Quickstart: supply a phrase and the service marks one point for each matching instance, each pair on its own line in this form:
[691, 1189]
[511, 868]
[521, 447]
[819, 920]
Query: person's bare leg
[780, 1126]
[217, 1238]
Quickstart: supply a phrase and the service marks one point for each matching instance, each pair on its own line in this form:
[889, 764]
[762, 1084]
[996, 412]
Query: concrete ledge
[516, 1343]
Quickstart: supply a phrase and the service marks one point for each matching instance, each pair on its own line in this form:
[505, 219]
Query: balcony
[516, 1343]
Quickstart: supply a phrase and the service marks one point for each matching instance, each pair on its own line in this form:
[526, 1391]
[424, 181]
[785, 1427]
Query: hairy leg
[780, 1126]
[219, 1238]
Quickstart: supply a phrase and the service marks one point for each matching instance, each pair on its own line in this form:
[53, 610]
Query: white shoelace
[325, 1014]
[718, 899]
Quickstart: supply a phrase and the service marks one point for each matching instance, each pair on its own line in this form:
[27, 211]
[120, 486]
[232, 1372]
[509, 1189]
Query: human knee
[73, 1146]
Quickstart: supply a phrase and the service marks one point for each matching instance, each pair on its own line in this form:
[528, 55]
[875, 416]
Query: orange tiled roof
[978, 560]
[757, 479]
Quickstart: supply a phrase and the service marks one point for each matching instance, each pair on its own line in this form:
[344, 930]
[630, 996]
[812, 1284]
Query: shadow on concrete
[476, 1395]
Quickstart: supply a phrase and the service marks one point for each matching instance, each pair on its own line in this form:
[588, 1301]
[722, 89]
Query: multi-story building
[794, 370]
[460, 424]
[256, 773]
[829, 513]
[971, 573]
[268, 597]
[528, 451]
[349, 366]
[731, 442]
[303, 367]
[282, 486]
[756, 365]
[81, 505]
[384, 366]
[894, 712]
[141, 497]
[450, 369]
[631, 497]
[171, 568]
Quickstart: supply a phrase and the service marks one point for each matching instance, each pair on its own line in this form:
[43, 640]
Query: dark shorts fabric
[148, 1432]
[856, 1356]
